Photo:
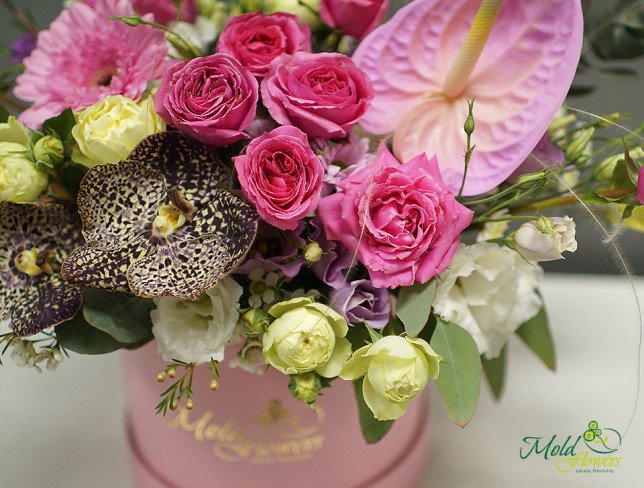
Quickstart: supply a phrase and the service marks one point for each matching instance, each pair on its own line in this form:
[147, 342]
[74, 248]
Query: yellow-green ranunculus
[396, 370]
[21, 181]
[107, 131]
[306, 336]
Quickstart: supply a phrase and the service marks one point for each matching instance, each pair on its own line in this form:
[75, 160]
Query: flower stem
[569, 200]
[472, 47]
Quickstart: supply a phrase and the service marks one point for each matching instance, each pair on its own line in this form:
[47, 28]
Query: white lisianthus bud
[195, 332]
[396, 370]
[546, 239]
[107, 131]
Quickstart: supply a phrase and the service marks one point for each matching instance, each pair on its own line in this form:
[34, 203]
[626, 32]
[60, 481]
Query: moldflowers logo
[593, 451]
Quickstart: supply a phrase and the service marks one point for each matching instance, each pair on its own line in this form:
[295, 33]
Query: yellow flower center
[169, 218]
[26, 262]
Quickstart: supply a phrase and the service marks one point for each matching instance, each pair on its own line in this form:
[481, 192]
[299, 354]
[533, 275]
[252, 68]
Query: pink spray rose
[640, 186]
[281, 175]
[412, 222]
[256, 39]
[322, 94]
[211, 99]
[165, 11]
[353, 17]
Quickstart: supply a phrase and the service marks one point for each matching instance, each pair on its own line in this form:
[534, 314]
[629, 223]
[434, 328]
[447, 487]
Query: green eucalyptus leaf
[495, 372]
[459, 381]
[78, 336]
[124, 318]
[372, 429]
[536, 335]
[413, 305]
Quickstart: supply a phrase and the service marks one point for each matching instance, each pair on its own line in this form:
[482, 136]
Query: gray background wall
[612, 94]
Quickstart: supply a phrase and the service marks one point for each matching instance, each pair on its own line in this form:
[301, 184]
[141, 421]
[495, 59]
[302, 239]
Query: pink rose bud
[281, 175]
[402, 220]
[211, 99]
[353, 17]
[166, 11]
[322, 94]
[256, 39]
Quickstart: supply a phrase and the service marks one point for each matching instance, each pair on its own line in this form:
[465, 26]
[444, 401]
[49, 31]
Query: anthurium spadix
[516, 58]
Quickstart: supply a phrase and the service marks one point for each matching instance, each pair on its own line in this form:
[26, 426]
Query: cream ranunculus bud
[195, 332]
[304, 9]
[305, 387]
[21, 181]
[49, 150]
[312, 252]
[306, 336]
[546, 238]
[107, 131]
[255, 321]
[395, 369]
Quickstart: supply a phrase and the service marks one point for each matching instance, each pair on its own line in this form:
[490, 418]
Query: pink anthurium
[517, 60]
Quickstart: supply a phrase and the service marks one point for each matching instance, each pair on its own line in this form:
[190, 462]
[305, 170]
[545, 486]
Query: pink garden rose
[165, 11]
[211, 99]
[640, 186]
[412, 222]
[353, 17]
[256, 39]
[322, 94]
[281, 175]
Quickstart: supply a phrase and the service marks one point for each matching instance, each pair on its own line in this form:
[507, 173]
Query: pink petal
[519, 82]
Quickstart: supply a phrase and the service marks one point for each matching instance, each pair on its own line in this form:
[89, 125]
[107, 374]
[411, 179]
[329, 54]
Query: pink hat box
[252, 433]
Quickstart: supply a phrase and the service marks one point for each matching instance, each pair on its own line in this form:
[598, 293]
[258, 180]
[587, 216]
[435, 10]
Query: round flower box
[251, 432]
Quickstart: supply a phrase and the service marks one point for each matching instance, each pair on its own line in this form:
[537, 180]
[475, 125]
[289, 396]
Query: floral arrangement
[322, 192]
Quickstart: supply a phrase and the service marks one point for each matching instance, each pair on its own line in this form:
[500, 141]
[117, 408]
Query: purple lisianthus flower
[360, 300]
[335, 260]
[22, 47]
[544, 151]
[275, 251]
[342, 159]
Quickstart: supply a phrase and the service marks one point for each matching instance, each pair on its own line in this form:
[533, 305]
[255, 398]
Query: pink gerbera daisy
[85, 56]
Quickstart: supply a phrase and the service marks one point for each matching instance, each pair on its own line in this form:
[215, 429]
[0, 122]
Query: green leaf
[60, 126]
[372, 429]
[578, 90]
[414, 304]
[628, 211]
[536, 335]
[78, 336]
[124, 318]
[459, 381]
[4, 114]
[495, 372]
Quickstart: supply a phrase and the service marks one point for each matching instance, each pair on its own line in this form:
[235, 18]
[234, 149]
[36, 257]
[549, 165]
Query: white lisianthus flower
[490, 291]
[546, 239]
[194, 332]
[107, 131]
